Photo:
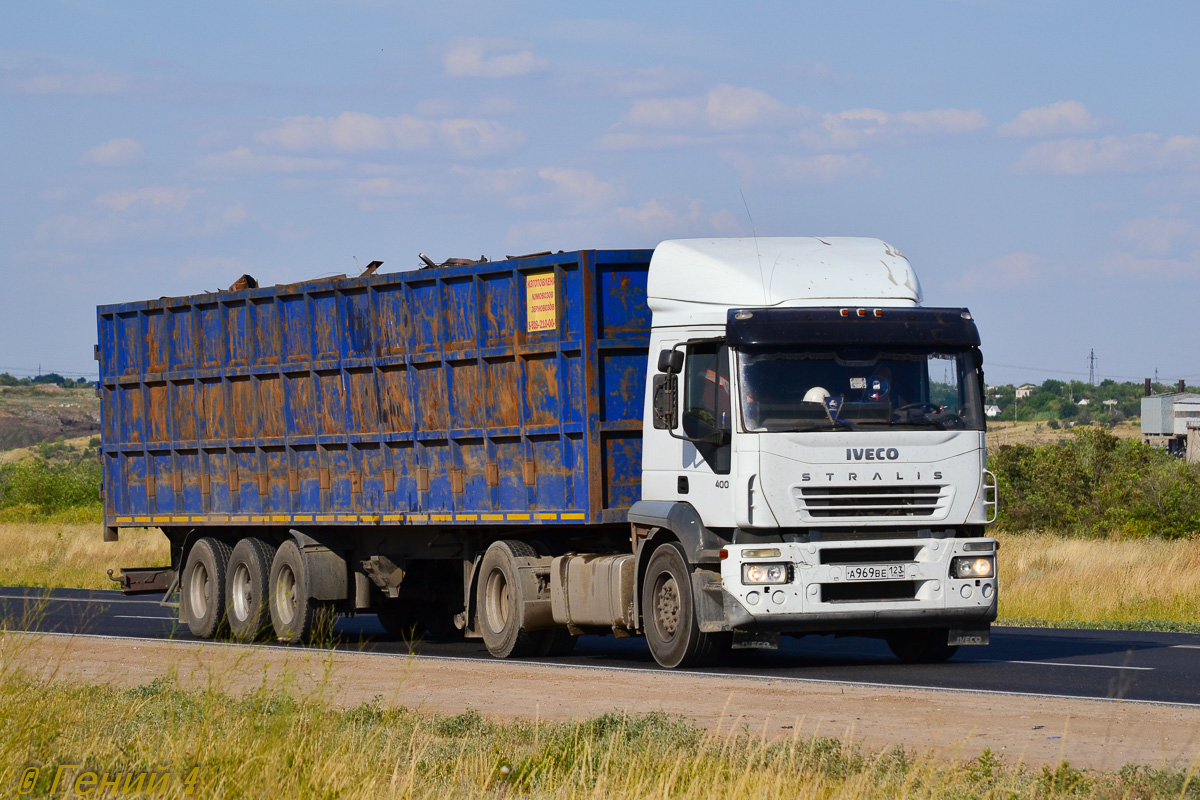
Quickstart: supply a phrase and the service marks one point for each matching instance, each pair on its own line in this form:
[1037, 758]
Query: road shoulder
[954, 725]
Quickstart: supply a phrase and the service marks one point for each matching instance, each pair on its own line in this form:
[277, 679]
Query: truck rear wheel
[202, 592]
[921, 645]
[295, 615]
[246, 598]
[669, 613]
[500, 601]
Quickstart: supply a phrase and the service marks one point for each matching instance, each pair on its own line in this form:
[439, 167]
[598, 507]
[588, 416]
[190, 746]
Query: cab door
[706, 412]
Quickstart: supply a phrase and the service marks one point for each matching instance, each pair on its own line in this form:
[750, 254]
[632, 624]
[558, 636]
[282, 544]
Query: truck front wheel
[669, 613]
[202, 593]
[246, 598]
[501, 601]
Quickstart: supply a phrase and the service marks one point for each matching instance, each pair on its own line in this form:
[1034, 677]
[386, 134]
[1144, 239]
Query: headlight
[972, 567]
[764, 573]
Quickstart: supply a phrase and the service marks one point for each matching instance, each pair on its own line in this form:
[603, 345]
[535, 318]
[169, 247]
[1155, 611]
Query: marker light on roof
[845, 312]
[743, 315]
[965, 315]
[862, 312]
[879, 312]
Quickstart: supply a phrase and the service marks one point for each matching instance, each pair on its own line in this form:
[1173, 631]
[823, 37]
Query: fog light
[764, 573]
[972, 567]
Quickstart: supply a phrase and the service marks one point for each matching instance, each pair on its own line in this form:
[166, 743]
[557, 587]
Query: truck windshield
[797, 389]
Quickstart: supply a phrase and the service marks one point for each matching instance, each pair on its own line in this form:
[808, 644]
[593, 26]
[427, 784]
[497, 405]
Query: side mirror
[666, 390]
[670, 361]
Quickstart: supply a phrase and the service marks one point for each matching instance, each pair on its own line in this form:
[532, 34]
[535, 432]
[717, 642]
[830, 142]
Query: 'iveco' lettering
[872, 454]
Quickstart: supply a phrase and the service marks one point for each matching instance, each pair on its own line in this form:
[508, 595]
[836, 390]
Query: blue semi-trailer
[708, 444]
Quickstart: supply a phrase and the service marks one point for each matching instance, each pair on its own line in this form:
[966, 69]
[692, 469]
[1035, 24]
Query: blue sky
[1037, 162]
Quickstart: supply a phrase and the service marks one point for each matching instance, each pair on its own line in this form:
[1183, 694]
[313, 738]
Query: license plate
[875, 572]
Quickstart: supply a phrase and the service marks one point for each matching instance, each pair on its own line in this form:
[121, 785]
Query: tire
[246, 592]
[555, 644]
[921, 645]
[295, 615]
[202, 591]
[499, 599]
[669, 614]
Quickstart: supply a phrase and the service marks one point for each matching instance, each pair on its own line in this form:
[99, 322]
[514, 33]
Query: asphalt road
[1115, 665]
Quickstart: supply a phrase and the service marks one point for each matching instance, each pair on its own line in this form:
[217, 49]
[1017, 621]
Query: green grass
[269, 744]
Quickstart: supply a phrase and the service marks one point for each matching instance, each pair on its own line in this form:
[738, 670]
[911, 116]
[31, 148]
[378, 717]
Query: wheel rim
[666, 606]
[497, 599]
[240, 589]
[198, 590]
[285, 595]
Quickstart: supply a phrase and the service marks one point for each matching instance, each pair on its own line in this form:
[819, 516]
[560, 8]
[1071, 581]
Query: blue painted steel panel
[425, 397]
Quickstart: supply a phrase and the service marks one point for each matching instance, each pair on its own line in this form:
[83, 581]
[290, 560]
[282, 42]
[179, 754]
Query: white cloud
[114, 153]
[243, 160]
[1161, 247]
[505, 182]
[825, 168]
[862, 127]
[1011, 271]
[1064, 118]
[728, 110]
[163, 198]
[737, 108]
[1184, 267]
[657, 219]
[1139, 153]
[581, 189]
[724, 108]
[52, 78]
[490, 58]
[353, 132]
[1157, 235]
[632, 82]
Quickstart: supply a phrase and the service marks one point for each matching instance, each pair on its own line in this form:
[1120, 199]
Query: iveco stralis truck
[710, 444]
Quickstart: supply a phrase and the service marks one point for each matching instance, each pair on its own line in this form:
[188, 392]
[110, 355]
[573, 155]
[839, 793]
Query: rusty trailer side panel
[497, 393]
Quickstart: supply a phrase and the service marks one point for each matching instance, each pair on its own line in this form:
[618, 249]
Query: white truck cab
[813, 448]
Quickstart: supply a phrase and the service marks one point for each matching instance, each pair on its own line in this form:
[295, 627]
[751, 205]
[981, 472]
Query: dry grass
[1039, 433]
[1125, 582]
[268, 743]
[56, 555]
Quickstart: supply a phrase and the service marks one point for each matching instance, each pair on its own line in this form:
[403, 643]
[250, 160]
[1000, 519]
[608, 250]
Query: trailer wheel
[669, 613]
[921, 645]
[499, 599]
[246, 598]
[295, 615]
[202, 593]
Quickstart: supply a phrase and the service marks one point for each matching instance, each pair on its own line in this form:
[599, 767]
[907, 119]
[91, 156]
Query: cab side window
[706, 402]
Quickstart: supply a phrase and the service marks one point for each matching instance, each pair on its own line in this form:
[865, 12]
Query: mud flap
[969, 636]
[709, 599]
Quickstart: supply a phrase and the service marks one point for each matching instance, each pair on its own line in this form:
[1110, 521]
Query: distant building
[991, 411]
[1024, 391]
[1110, 403]
[1085, 402]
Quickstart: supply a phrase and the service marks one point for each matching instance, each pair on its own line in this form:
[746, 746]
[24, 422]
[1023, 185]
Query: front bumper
[818, 596]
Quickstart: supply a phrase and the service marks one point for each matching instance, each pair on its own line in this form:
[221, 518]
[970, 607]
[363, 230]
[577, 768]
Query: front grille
[868, 592]
[869, 555]
[871, 501]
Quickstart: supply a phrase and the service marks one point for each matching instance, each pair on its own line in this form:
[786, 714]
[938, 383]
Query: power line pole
[1092, 367]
